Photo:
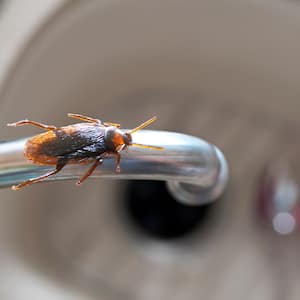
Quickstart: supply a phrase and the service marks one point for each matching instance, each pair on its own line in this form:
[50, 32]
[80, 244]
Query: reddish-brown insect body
[80, 143]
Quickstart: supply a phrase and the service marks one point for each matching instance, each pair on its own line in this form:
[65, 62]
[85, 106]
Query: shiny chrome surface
[195, 170]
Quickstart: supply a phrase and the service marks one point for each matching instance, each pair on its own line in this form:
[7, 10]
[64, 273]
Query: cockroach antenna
[143, 125]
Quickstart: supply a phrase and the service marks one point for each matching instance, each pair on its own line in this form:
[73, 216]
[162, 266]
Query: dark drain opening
[155, 212]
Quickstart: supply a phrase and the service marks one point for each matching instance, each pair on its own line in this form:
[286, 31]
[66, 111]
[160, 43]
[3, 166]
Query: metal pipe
[195, 171]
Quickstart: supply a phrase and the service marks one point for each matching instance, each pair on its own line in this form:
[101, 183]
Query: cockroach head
[127, 138]
[118, 140]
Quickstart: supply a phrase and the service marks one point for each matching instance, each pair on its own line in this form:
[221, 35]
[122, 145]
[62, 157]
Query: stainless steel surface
[226, 71]
[196, 171]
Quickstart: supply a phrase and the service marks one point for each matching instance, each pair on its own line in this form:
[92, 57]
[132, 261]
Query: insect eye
[127, 138]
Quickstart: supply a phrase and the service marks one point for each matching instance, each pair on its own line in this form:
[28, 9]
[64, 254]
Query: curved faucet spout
[196, 172]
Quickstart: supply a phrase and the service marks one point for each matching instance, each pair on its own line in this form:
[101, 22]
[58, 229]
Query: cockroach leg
[34, 123]
[59, 166]
[118, 160]
[90, 171]
[92, 120]
[107, 124]
[84, 118]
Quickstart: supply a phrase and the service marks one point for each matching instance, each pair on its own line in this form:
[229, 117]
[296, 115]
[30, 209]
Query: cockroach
[80, 143]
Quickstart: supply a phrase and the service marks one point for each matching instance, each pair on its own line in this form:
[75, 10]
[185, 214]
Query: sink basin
[224, 71]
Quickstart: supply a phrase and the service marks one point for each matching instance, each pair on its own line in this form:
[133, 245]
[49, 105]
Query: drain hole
[155, 212]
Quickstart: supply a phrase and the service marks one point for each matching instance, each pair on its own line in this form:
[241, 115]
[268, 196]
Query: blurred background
[226, 71]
